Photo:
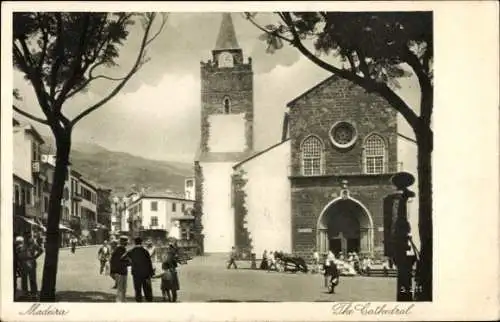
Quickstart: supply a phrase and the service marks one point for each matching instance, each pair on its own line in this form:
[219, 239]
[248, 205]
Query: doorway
[353, 245]
[335, 245]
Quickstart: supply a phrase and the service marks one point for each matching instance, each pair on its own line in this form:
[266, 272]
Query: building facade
[27, 178]
[321, 187]
[165, 212]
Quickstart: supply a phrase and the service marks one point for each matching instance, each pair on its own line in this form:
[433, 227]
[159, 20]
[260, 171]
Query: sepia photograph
[222, 157]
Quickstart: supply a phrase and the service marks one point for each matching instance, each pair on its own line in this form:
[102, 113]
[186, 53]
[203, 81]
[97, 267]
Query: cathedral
[320, 187]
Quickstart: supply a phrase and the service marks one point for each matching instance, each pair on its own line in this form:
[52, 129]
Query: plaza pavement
[206, 279]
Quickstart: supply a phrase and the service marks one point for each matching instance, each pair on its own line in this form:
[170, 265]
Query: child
[169, 280]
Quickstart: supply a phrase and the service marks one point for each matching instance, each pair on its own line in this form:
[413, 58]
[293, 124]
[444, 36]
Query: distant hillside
[121, 171]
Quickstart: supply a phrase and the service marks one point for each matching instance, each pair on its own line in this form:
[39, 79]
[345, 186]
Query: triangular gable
[313, 89]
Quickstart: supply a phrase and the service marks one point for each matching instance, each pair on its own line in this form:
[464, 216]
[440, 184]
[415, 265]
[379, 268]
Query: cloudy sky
[157, 115]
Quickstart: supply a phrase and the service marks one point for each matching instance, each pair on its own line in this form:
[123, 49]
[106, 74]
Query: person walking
[119, 269]
[316, 261]
[73, 242]
[112, 246]
[264, 264]
[232, 259]
[18, 272]
[28, 255]
[331, 276]
[103, 255]
[142, 270]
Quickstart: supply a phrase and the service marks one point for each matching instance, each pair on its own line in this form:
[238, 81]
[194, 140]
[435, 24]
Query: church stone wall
[218, 83]
[340, 100]
[268, 200]
[309, 196]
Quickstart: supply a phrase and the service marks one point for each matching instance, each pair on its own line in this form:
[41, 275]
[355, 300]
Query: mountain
[121, 171]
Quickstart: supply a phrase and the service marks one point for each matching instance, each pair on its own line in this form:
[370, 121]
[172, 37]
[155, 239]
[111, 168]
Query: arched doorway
[345, 225]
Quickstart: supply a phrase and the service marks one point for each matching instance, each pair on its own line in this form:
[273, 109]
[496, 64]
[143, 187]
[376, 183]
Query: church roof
[259, 153]
[227, 36]
[312, 89]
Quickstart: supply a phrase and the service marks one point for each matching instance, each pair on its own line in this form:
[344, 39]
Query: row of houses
[167, 213]
[85, 206]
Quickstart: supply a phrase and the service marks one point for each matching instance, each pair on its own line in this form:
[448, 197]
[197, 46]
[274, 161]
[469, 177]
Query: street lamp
[404, 263]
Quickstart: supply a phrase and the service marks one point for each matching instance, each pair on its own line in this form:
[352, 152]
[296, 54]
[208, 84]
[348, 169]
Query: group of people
[270, 260]
[26, 252]
[116, 260]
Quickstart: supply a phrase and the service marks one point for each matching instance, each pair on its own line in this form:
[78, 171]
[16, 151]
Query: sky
[157, 114]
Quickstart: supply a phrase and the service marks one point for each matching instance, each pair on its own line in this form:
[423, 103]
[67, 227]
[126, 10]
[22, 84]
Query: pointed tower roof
[227, 35]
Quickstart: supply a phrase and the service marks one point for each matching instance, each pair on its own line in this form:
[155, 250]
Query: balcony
[77, 197]
[35, 167]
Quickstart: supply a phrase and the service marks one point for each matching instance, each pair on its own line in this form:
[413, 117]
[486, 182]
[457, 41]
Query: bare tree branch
[164, 18]
[28, 115]
[249, 18]
[132, 71]
[76, 71]
[368, 84]
[45, 39]
[59, 47]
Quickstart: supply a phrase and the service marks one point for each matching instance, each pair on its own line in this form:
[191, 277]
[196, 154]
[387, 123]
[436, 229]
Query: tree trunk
[424, 269]
[48, 290]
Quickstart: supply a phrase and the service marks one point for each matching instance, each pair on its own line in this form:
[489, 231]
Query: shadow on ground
[235, 301]
[101, 297]
[95, 297]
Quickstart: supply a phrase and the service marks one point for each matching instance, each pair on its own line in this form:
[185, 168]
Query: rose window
[343, 134]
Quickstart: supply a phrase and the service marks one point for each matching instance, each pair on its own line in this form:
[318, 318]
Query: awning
[61, 226]
[32, 222]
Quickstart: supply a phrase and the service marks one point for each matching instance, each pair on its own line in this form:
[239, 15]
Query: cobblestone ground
[205, 279]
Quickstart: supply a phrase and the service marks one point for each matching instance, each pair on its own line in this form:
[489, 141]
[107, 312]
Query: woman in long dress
[170, 282]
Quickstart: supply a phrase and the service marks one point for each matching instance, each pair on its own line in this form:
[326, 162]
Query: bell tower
[227, 96]
[226, 136]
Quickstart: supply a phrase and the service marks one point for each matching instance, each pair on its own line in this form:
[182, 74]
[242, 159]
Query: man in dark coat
[142, 270]
[332, 275]
[119, 269]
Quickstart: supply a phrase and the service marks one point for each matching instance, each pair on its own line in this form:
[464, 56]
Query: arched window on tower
[374, 154]
[226, 105]
[312, 153]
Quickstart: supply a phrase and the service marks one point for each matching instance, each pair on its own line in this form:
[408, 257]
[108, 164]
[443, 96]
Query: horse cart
[290, 263]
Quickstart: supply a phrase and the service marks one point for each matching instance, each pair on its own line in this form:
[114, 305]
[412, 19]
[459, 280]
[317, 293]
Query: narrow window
[374, 150]
[311, 156]
[154, 205]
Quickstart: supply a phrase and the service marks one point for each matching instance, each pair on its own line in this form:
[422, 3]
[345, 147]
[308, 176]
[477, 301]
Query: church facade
[321, 187]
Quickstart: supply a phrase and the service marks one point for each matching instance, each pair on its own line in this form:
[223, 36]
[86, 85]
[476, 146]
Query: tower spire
[227, 36]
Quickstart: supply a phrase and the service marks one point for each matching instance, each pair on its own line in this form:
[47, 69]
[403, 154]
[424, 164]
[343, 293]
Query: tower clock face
[225, 60]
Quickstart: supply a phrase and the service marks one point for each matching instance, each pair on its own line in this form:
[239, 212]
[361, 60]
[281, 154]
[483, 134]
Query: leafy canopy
[374, 44]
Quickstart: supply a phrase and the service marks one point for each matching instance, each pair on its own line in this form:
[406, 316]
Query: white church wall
[407, 159]
[218, 218]
[227, 133]
[268, 200]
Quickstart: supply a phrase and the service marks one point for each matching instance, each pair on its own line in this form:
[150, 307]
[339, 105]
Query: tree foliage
[374, 47]
[61, 52]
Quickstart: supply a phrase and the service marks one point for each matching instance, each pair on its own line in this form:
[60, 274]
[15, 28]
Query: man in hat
[142, 270]
[28, 255]
[119, 268]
